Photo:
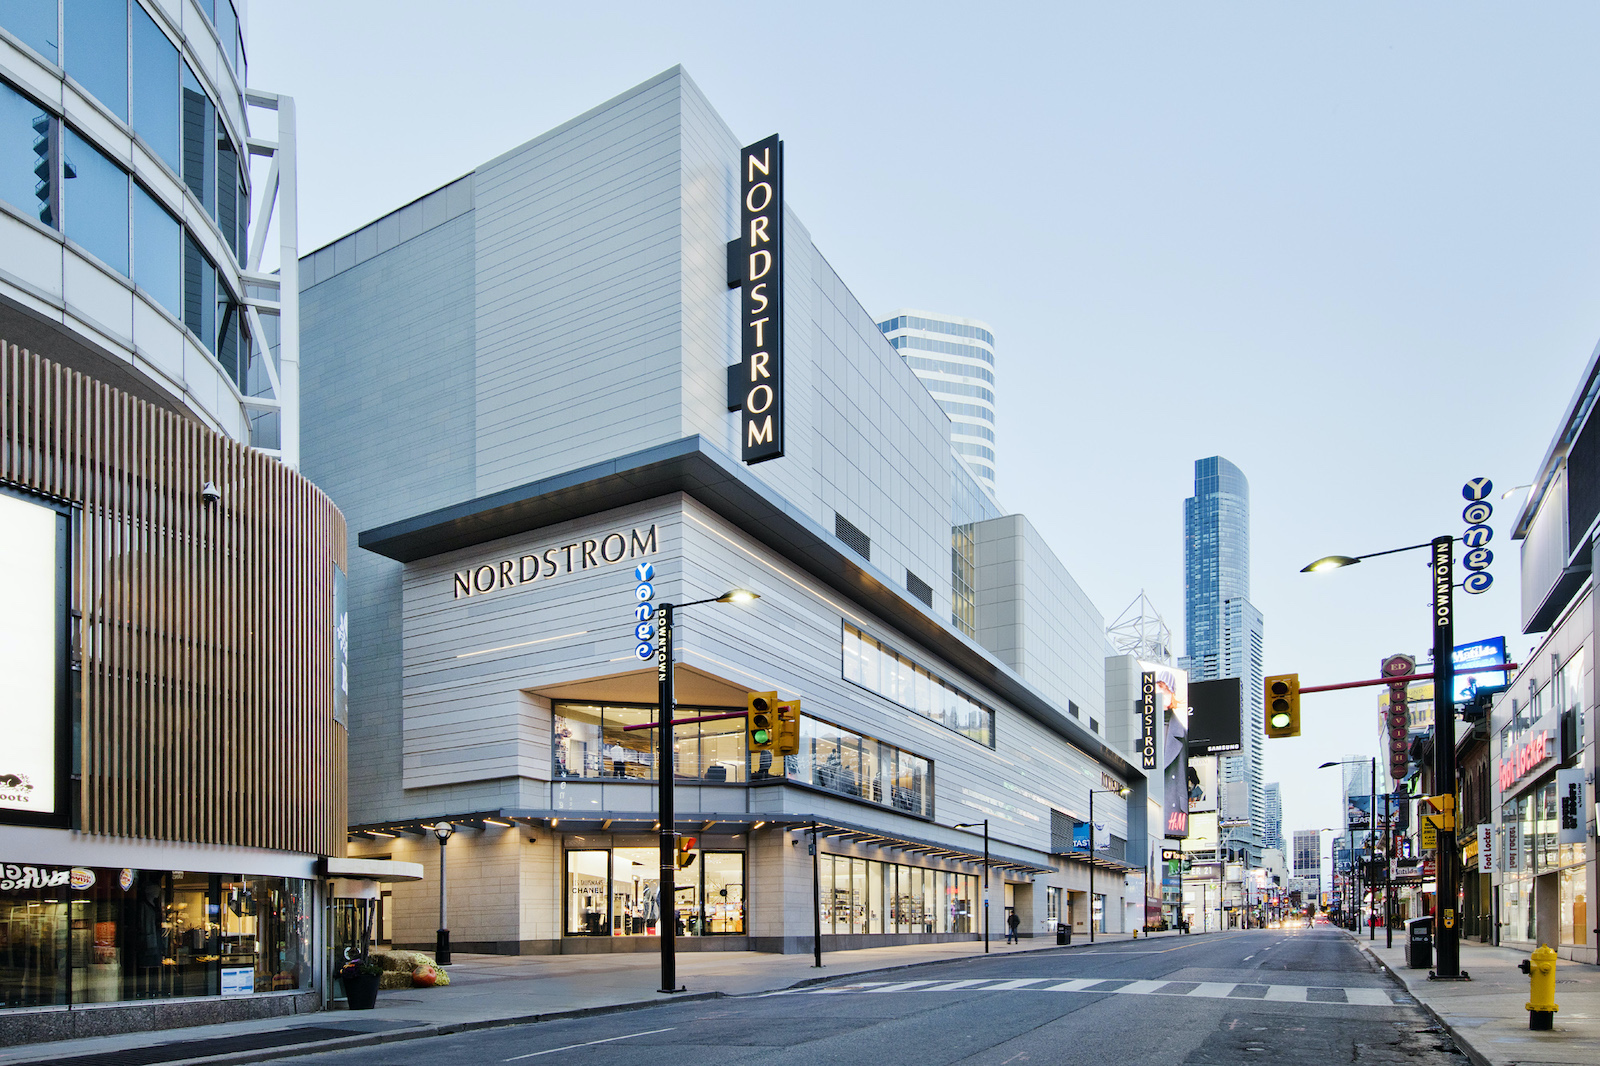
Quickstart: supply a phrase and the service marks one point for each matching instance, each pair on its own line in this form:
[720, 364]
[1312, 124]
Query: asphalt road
[1296, 997]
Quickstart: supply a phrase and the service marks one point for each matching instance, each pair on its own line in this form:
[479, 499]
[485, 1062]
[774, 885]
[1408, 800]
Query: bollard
[1541, 971]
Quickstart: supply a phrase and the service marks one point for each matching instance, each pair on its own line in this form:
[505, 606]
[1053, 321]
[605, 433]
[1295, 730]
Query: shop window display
[615, 893]
[82, 935]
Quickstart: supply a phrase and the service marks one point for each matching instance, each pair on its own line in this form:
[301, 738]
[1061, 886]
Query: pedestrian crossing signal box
[787, 738]
[1441, 810]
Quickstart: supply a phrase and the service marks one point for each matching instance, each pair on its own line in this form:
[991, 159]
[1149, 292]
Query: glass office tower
[1222, 629]
[954, 359]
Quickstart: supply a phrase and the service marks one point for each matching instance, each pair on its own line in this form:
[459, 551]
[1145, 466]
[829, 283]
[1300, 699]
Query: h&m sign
[755, 267]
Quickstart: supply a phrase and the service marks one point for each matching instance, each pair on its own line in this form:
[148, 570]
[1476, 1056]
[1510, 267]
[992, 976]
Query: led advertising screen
[1215, 714]
[1492, 652]
[1202, 780]
[1175, 777]
[33, 719]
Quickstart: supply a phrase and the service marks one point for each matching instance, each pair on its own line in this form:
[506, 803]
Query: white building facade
[543, 447]
[954, 357]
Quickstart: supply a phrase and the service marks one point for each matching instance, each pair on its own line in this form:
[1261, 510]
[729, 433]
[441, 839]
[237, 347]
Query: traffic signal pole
[1446, 931]
[666, 886]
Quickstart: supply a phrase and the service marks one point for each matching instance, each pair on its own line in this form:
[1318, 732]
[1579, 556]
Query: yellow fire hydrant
[1541, 971]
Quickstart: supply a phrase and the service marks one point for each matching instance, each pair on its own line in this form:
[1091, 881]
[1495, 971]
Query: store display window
[615, 892]
[98, 935]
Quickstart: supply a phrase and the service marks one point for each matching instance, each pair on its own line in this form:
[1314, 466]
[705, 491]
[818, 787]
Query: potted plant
[360, 976]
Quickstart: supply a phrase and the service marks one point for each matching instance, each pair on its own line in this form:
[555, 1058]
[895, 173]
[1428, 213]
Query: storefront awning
[644, 822]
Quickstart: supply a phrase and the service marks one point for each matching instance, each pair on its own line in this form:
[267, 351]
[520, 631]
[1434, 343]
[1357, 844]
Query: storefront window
[590, 741]
[839, 760]
[880, 669]
[121, 935]
[615, 893]
[1575, 903]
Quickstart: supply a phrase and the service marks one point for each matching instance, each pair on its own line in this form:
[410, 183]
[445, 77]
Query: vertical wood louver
[204, 630]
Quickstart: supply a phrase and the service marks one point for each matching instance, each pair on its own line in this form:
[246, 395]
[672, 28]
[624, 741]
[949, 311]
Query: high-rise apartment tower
[954, 358]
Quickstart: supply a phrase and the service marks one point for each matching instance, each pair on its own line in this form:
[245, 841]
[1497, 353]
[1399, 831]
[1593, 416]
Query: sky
[1352, 247]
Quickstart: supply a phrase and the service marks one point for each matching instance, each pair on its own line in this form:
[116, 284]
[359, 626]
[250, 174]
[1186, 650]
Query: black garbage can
[1419, 943]
[1063, 934]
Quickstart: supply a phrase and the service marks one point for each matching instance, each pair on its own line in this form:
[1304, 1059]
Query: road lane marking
[1142, 988]
[1077, 984]
[1212, 989]
[587, 1043]
[1324, 995]
[902, 986]
[1015, 983]
[1286, 993]
[1367, 997]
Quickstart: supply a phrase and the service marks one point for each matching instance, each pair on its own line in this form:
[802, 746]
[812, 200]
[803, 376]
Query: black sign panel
[761, 300]
[1148, 756]
[1215, 714]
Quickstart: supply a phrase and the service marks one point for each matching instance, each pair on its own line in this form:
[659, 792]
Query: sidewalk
[494, 990]
[1488, 1015]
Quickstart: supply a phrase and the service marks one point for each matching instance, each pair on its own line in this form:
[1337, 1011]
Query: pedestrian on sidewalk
[1012, 923]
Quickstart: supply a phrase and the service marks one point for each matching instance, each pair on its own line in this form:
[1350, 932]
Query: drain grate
[199, 1049]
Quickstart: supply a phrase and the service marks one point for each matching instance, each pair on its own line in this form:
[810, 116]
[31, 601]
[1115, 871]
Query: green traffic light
[761, 736]
[1280, 721]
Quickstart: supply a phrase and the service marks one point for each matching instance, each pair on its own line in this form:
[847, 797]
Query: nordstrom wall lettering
[555, 561]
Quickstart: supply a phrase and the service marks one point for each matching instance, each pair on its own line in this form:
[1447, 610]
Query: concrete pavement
[1487, 1015]
[495, 990]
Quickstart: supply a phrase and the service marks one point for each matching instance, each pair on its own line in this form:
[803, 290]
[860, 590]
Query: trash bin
[1419, 943]
[1063, 934]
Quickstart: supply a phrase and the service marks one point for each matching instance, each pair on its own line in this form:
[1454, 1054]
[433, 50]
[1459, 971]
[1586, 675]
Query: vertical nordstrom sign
[761, 299]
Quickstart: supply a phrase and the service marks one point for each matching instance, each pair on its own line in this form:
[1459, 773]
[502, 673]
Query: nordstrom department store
[575, 386]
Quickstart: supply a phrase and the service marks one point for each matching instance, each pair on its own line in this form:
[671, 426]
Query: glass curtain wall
[590, 742]
[853, 764]
[861, 896]
[881, 670]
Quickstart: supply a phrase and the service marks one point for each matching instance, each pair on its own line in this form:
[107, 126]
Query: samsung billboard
[35, 763]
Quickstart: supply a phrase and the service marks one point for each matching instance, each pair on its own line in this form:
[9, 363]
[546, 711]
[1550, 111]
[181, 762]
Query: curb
[1461, 1042]
[420, 1032]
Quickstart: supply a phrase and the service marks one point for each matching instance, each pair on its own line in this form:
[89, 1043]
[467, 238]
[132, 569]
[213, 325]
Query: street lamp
[1124, 792]
[441, 943]
[667, 889]
[1442, 575]
[1372, 817]
[974, 825]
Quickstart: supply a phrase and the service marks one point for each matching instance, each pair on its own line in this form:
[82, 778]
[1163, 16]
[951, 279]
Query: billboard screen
[1492, 652]
[1215, 714]
[1175, 777]
[1202, 779]
[34, 763]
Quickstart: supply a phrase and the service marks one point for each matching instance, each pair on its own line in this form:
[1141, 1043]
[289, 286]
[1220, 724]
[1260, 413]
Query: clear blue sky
[1352, 247]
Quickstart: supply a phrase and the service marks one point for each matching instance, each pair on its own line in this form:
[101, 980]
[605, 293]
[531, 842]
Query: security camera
[210, 493]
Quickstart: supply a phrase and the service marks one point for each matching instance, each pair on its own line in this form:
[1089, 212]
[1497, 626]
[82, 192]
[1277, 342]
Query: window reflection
[880, 669]
[154, 107]
[591, 741]
[25, 156]
[34, 21]
[95, 202]
[157, 251]
[96, 32]
[855, 765]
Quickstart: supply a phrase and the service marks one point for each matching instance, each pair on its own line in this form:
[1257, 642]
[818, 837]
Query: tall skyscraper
[954, 358]
[1272, 826]
[1222, 629]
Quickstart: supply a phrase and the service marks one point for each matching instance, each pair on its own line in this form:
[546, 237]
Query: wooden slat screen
[205, 630]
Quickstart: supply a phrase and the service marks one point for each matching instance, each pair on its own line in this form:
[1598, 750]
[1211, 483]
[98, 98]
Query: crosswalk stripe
[1211, 990]
[1361, 997]
[1142, 988]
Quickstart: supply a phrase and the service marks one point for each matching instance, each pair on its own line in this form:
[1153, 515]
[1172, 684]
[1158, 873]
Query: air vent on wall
[919, 588]
[853, 538]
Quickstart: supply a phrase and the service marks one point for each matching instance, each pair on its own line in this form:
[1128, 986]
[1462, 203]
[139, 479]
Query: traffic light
[1283, 705]
[787, 741]
[686, 846]
[760, 719]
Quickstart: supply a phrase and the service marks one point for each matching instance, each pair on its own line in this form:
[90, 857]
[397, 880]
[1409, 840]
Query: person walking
[1012, 924]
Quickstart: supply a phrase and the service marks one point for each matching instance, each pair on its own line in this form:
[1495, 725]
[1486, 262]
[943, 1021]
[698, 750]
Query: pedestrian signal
[761, 720]
[686, 854]
[1283, 705]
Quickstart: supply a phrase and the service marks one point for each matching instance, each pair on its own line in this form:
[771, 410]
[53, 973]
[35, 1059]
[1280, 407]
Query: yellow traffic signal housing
[1445, 806]
[761, 720]
[788, 739]
[686, 846]
[1283, 705]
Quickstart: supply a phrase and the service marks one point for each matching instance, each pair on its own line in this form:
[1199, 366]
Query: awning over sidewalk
[633, 822]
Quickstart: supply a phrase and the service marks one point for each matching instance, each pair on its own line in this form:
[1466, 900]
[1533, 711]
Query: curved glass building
[136, 201]
[954, 358]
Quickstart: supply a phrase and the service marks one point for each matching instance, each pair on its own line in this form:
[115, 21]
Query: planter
[361, 993]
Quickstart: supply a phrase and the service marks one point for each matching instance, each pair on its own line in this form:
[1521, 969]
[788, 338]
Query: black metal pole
[1446, 935]
[666, 887]
[1091, 866]
[441, 944]
[986, 886]
[816, 900]
[1388, 883]
[1372, 816]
